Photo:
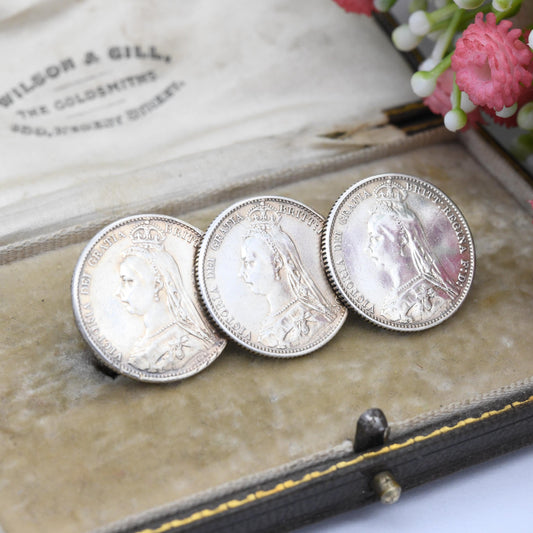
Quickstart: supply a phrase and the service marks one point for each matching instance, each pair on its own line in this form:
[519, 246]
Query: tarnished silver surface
[261, 278]
[135, 300]
[399, 252]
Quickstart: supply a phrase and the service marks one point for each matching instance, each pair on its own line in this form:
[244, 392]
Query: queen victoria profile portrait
[419, 286]
[271, 266]
[151, 287]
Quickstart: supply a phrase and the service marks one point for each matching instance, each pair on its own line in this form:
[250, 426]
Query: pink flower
[364, 7]
[511, 122]
[440, 102]
[491, 63]
[525, 96]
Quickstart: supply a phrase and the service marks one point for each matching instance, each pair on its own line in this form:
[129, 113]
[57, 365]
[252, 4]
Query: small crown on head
[391, 192]
[263, 217]
[147, 235]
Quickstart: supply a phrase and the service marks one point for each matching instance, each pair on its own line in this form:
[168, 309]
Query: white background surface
[493, 497]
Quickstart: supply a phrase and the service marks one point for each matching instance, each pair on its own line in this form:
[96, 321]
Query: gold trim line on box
[289, 484]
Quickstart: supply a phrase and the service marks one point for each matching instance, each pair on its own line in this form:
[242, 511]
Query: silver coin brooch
[261, 279]
[135, 301]
[398, 251]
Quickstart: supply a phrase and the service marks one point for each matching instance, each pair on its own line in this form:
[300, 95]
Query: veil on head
[265, 225]
[391, 202]
[148, 244]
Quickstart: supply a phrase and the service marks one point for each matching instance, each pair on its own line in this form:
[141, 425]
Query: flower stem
[444, 41]
[467, 16]
[443, 65]
[456, 95]
[444, 13]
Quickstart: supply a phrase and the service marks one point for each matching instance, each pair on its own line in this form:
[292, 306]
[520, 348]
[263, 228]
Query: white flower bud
[507, 112]
[404, 39]
[419, 23]
[501, 5]
[423, 83]
[455, 119]
[466, 104]
[469, 4]
[530, 40]
[525, 117]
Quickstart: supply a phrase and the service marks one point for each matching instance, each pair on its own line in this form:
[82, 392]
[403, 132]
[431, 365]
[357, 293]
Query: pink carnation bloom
[440, 100]
[511, 122]
[526, 95]
[491, 62]
[364, 7]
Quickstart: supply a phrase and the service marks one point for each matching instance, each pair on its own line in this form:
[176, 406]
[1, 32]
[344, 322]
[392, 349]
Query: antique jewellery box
[180, 110]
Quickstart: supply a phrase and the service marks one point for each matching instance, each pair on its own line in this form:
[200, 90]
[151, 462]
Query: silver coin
[399, 251]
[135, 300]
[261, 278]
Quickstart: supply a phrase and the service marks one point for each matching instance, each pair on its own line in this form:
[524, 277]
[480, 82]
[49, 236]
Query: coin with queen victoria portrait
[399, 252]
[135, 301]
[261, 278]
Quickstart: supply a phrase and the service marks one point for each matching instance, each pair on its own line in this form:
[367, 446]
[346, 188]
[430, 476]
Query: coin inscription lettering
[399, 252]
[261, 279]
[135, 301]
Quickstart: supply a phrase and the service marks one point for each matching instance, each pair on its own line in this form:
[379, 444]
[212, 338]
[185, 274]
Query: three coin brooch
[147, 289]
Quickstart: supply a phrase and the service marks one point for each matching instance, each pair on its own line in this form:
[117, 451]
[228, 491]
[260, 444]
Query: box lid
[123, 102]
